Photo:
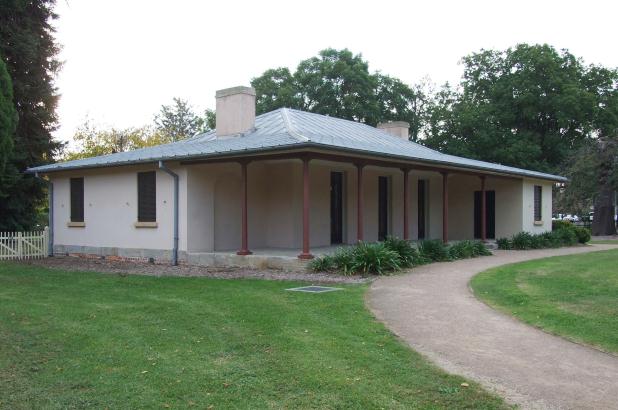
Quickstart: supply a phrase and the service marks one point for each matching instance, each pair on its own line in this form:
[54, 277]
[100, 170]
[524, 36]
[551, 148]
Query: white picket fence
[24, 245]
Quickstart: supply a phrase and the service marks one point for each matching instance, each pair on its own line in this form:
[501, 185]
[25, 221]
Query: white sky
[124, 58]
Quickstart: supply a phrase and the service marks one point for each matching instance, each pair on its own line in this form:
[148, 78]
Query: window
[147, 196]
[77, 199]
[538, 202]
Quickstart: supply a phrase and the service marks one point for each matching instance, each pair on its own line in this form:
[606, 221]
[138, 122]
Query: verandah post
[306, 254]
[244, 249]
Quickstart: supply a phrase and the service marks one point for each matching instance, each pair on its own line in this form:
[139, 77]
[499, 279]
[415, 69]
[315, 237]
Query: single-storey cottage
[284, 183]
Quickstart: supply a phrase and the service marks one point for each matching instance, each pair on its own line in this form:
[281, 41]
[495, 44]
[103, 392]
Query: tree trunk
[603, 222]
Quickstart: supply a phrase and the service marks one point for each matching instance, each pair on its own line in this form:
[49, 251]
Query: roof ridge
[288, 126]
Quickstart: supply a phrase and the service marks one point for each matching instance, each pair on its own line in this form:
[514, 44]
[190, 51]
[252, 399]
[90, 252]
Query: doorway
[383, 204]
[336, 207]
[422, 208]
[490, 219]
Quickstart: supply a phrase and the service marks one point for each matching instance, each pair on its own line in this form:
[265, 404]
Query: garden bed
[73, 263]
[393, 255]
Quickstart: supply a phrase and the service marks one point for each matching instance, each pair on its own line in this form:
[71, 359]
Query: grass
[571, 296]
[88, 340]
[605, 242]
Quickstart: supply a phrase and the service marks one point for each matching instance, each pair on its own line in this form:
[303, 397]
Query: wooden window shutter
[77, 199]
[538, 202]
[147, 196]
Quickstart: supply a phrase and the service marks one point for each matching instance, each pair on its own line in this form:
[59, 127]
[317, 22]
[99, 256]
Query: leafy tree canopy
[173, 122]
[527, 106]
[338, 83]
[93, 141]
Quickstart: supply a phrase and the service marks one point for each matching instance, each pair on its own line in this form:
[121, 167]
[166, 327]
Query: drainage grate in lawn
[314, 289]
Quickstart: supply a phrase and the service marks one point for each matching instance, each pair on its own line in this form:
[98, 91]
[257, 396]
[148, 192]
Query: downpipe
[50, 213]
[163, 168]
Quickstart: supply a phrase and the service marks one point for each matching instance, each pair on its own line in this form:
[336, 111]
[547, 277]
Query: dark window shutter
[538, 202]
[77, 199]
[147, 196]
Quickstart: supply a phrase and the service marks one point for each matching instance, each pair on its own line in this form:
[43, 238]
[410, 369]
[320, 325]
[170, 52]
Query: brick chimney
[235, 112]
[399, 129]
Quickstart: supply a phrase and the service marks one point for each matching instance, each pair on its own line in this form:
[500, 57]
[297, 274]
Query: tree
[593, 170]
[93, 141]
[178, 121]
[338, 83]
[8, 118]
[527, 106]
[28, 48]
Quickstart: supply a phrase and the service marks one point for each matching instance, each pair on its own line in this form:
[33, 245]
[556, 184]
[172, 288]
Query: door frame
[385, 207]
[342, 207]
[422, 200]
[490, 209]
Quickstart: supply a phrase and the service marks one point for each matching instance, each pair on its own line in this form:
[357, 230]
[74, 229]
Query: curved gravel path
[433, 309]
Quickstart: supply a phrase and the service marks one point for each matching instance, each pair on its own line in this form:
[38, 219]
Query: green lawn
[88, 340]
[573, 296]
[605, 242]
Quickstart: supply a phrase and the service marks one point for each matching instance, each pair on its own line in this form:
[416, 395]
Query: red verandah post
[244, 249]
[444, 206]
[306, 208]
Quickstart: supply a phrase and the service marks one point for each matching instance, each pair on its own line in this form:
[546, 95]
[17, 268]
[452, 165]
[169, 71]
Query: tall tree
[338, 83]
[526, 106]
[593, 169]
[29, 50]
[8, 118]
[178, 121]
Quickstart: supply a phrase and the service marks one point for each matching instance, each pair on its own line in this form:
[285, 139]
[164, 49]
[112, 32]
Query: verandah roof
[293, 129]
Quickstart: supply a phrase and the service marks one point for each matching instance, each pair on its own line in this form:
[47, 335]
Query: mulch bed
[124, 267]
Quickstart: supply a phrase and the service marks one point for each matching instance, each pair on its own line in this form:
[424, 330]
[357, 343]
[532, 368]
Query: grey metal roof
[287, 128]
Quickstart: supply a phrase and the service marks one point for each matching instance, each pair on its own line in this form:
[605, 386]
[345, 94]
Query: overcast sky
[123, 59]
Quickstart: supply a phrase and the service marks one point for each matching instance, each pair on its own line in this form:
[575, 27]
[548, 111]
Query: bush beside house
[563, 234]
[393, 255]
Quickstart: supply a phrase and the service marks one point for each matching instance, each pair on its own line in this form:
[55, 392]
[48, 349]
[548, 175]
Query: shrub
[538, 242]
[325, 263]
[504, 243]
[374, 258]
[434, 250]
[583, 235]
[555, 225]
[551, 239]
[480, 249]
[567, 237]
[408, 256]
[521, 240]
[343, 260]
[392, 255]
[461, 250]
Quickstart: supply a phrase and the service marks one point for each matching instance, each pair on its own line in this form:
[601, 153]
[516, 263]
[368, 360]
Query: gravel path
[433, 309]
[72, 263]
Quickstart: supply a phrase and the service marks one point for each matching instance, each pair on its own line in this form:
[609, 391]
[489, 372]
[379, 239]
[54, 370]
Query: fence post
[46, 241]
[19, 246]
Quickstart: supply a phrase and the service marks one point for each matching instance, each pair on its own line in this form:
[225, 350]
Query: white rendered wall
[110, 209]
[529, 224]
